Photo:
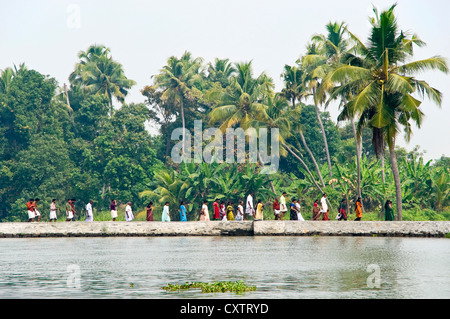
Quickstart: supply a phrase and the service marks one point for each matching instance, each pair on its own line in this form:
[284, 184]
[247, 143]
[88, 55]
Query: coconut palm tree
[385, 86]
[221, 71]
[315, 63]
[244, 101]
[97, 73]
[179, 80]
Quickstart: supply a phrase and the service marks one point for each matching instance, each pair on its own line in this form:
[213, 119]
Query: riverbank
[230, 228]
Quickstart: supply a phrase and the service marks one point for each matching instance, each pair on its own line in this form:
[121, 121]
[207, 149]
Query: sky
[47, 36]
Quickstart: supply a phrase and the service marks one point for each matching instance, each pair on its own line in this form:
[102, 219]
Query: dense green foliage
[74, 142]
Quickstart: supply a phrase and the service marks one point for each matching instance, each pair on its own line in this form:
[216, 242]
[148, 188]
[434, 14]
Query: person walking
[259, 211]
[37, 213]
[89, 212]
[204, 214]
[230, 215]
[293, 210]
[150, 212]
[342, 215]
[283, 207]
[222, 211]
[388, 211]
[249, 208]
[316, 210]
[129, 212]
[240, 211]
[216, 210]
[72, 205]
[53, 209]
[299, 214]
[165, 217]
[113, 208]
[358, 209]
[276, 208]
[69, 211]
[324, 207]
[30, 210]
[183, 217]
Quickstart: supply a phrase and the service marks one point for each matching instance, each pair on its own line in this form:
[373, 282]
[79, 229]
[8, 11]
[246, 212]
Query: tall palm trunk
[70, 108]
[323, 133]
[383, 172]
[304, 165]
[312, 158]
[396, 174]
[358, 155]
[270, 180]
[308, 150]
[183, 123]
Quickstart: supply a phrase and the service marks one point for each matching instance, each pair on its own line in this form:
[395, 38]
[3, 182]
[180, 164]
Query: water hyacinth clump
[237, 287]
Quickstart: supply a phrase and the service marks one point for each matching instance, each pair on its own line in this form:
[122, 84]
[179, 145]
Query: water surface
[280, 267]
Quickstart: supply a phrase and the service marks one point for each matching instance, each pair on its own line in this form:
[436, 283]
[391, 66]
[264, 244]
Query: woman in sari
[316, 210]
[342, 211]
[222, 212]
[182, 212]
[165, 217]
[150, 212]
[204, 214]
[358, 209]
[388, 211]
[230, 209]
[240, 211]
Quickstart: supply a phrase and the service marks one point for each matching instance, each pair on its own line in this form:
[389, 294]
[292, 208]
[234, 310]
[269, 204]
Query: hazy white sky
[47, 35]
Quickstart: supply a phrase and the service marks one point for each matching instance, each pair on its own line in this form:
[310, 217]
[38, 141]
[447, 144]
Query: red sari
[316, 212]
[150, 214]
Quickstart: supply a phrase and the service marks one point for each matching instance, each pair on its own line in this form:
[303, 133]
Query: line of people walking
[222, 210]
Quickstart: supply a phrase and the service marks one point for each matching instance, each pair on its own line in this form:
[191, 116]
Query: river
[280, 267]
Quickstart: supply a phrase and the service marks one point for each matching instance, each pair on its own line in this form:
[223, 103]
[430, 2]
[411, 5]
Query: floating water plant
[237, 287]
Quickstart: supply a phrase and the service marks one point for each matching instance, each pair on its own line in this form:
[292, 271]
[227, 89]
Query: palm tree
[244, 101]
[315, 63]
[385, 86]
[6, 77]
[97, 73]
[221, 71]
[336, 50]
[179, 80]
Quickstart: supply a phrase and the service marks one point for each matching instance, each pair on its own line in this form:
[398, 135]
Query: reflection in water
[280, 267]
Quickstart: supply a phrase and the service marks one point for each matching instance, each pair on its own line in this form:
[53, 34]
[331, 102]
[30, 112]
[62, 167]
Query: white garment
[324, 206]
[249, 208]
[283, 207]
[53, 214]
[114, 214]
[299, 215]
[89, 210]
[69, 214]
[205, 209]
[240, 212]
[31, 214]
[128, 213]
[165, 215]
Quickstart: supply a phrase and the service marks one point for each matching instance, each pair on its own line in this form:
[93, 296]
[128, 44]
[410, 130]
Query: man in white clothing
[89, 212]
[249, 208]
[324, 207]
[283, 207]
